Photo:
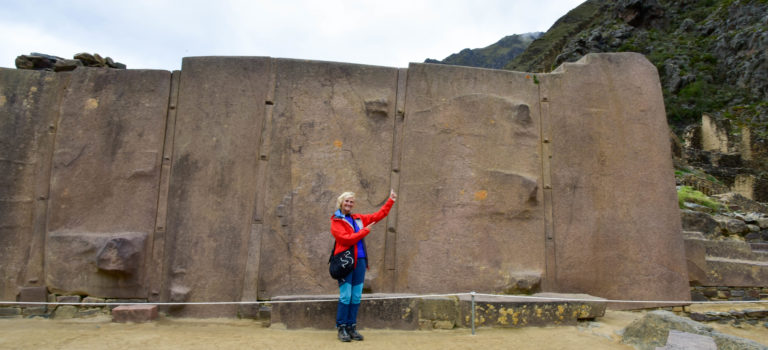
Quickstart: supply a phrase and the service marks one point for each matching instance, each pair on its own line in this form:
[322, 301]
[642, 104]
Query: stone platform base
[409, 312]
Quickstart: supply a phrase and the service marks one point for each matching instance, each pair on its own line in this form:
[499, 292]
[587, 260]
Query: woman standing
[349, 230]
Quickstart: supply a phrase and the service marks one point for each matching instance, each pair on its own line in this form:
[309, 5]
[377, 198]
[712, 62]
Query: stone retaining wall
[699, 293]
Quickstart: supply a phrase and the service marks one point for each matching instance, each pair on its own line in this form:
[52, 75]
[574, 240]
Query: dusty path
[100, 333]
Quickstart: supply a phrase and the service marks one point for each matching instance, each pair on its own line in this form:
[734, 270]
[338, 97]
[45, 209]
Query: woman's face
[347, 205]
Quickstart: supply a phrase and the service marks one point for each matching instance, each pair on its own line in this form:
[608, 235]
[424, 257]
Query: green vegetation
[701, 49]
[688, 194]
[538, 57]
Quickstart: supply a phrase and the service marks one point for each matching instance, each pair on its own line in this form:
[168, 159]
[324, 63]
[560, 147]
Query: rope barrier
[408, 296]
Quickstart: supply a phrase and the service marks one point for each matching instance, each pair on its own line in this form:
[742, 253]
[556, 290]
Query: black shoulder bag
[340, 265]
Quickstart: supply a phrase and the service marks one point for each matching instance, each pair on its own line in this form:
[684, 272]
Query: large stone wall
[216, 183]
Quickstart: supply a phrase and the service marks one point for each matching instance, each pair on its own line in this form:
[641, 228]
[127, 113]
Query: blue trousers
[350, 292]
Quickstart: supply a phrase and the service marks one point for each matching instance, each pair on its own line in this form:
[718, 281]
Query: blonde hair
[342, 197]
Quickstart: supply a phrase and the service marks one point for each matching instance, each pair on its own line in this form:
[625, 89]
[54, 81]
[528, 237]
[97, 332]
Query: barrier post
[473, 312]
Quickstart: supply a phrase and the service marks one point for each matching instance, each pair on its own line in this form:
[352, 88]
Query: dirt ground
[166, 333]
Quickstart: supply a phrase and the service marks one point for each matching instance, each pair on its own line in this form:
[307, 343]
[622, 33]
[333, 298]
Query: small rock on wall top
[38, 61]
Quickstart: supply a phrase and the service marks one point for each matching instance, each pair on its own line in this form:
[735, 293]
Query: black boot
[352, 331]
[343, 335]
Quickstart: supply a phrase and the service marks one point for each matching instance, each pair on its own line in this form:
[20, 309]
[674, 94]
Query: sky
[157, 34]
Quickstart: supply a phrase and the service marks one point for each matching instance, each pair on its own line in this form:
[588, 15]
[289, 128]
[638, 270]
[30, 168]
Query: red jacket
[345, 234]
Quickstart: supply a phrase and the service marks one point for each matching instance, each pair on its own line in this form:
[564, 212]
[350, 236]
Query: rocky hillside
[712, 58]
[494, 56]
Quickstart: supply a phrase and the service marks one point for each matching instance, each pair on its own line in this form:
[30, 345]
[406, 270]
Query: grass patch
[688, 194]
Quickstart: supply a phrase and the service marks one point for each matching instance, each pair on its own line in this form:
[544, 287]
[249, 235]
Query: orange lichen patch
[337, 143]
[527, 77]
[92, 103]
[481, 195]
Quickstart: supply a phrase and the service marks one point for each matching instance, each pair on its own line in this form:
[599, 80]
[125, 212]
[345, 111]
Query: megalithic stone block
[213, 179]
[616, 217]
[29, 102]
[331, 131]
[471, 214]
[104, 179]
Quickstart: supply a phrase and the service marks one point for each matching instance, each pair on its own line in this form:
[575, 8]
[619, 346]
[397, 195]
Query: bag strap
[333, 247]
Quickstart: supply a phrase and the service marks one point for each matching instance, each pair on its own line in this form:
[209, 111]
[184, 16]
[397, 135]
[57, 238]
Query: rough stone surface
[134, 313]
[698, 221]
[507, 311]
[72, 265]
[68, 299]
[65, 312]
[725, 263]
[10, 312]
[213, 181]
[33, 294]
[66, 65]
[121, 255]
[28, 108]
[730, 226]
[598, 107]
[331, 131]
[682, 340]
[653, 329]
[483, 198]
[437, 312]
[105, 176]
[216, 183]
[385, 313]
[35, 62]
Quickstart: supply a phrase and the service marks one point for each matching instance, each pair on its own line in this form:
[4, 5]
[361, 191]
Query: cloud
[158, 34]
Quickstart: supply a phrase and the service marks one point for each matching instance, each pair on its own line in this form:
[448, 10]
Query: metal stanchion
[473, 312]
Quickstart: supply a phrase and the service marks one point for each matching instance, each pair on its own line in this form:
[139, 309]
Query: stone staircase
[728, 264]
[759, 248]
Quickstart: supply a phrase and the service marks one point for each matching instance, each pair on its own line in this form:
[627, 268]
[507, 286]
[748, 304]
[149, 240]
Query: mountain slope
[712, 55]
[494, 56]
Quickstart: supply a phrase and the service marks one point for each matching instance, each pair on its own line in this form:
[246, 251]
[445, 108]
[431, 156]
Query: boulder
[90, 60]
[653, 329]
[745, 204]
[698, 221]
[682, 340]
[35, 61]
[65, 312]
[66, 65]
[730, 226]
